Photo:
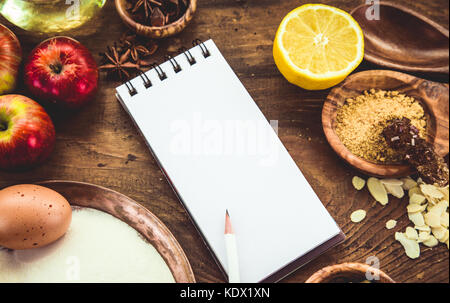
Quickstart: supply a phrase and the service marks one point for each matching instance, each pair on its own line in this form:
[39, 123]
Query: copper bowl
[348, 273]
[138, 217]
[156, 32]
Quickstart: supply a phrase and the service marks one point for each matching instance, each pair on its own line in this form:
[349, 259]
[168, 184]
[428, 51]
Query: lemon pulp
[317, 46]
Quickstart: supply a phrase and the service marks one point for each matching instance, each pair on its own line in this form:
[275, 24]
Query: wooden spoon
[433, 96]
[404, 39]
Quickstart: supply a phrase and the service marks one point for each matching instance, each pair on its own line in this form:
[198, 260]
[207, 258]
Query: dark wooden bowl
[135, 215]
[433, 96]
[403, 39]
[156, 32]
[348, 272]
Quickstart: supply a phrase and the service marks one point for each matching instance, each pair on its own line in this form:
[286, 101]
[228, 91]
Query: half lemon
[317, 46]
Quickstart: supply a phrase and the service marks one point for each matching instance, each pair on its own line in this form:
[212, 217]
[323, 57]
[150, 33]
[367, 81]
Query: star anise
[157, 18]
[157, 12]
[146, 6]
[117, 64]
[139, 49]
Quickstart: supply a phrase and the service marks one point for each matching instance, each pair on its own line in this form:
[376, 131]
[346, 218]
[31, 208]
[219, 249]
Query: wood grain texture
[433, 96]
[100, 144]
[156, 32]
[147, 224]
[404, 39]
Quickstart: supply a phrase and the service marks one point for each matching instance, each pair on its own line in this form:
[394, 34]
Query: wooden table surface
[100, 145]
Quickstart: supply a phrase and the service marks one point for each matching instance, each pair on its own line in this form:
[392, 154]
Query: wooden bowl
[348, 272]
[156, 32]
[403, 39]
[135, 215]
[433, 96]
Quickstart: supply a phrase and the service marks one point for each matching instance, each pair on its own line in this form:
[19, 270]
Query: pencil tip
[228, 227]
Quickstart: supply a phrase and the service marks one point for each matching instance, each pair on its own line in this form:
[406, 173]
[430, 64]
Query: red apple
[27, 134]
[10, 57]
[62, 71]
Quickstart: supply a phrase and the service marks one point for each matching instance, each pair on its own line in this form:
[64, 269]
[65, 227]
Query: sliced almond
[432, 201]
[432, 191]
[391, 224]
[417, 219]
[411, 233]
[444, 219]
[424, 236]
[439, 208]
[395, 190]
[413, 208]
[411, 247]
[445, 191]
[431, 242]
[377, 190]
[432, 219]
[358, 215]
[439, 233]
[358, 183]
[445, 237]
[417, 199]
[425, 228]
[394, 182]
[414, 190]
[408, 183]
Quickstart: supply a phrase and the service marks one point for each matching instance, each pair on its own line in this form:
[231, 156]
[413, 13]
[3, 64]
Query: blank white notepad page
[219, 152]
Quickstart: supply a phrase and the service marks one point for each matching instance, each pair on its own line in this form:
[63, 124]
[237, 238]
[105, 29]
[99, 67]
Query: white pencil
[232, 255]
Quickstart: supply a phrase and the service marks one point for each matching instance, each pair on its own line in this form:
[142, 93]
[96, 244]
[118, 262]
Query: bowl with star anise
[156, 18]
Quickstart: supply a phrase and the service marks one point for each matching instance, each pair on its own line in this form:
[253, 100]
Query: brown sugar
[361, 121]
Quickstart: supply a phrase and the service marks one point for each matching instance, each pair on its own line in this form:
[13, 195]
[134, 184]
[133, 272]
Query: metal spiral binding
[161, 74]
[188, 55]
[147, 82]
[131, 89]
[205, 51]
[176, 67]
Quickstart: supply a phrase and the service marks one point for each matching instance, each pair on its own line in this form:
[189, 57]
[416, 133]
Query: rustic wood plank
[94, 145]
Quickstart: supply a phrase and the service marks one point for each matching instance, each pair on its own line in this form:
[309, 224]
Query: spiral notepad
[219, 152]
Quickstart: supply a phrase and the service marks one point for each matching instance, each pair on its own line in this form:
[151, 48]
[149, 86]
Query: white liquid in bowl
[97, 248]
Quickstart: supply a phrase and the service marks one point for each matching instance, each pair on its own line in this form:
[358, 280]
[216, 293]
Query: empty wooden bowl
[156, 32]
[349, 273]
[433, 96]
[403, 39]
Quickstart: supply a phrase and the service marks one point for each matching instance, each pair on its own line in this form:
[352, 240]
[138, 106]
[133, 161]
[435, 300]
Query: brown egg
[32, 216]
